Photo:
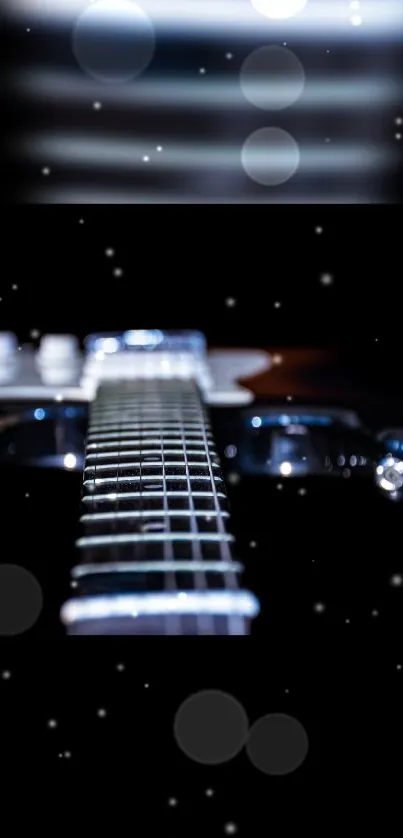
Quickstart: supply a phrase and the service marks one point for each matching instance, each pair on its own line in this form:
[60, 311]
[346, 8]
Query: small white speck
[172, 801]
[252, 544]
[202, 71]
[277, 304]
[120, 667]
[81, 221]
[277, 359]
[319, 607]
[118, 272]
[27, 29]
[230, 302]
[74, 584]
[356, 20]
[109, 252]
[302, 491]
[347, 620]
[27, 494]
[318, 230]
[398, 136]
[399, 120]
[52, 723]
[146, 686]
[328, 50]
[326, 279]
[146, 158]
[399, 666]
[396, 580]
[101, 713]
[209, 792]
[59, 397]
[6, 675]
[159, 147]
[279, 486]
[67, 754]
[14, 287]
[97, 106]
[289, 398]
[287, 691]
[34, 333]
[230, 828]
[374, 613]
[46, 171]
[284, 43]
[228, 56]
[327, 140]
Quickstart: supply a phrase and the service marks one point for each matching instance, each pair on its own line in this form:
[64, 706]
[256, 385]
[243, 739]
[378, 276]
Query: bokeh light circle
[21, 599]
[279, 9]
[113, 41]
[270, 156]
[272, 78]
[211, 727]
[277, 744]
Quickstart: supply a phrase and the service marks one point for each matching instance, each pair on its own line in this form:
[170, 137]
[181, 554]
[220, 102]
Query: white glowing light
[159, 147]
[118, 272]
[389, 474]
[279, 9]
[70, 461]
[355, 5]
[285, 469]
[396, 580]
[97, 106]
[356, 20]
[229, 603]
[277, 359]
[230, 302]
[110, 345]
[256, 421]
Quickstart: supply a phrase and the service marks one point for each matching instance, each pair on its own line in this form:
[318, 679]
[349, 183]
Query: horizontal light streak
[175, 566]
[91, 196]
[87, 542]
[127, 605]
[127, 155]
[237, 18]
[203, 92]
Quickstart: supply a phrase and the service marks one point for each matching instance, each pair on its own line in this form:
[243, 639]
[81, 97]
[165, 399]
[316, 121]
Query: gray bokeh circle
[113, 41]
[270, 156]
[211, 727]
[21, 599]
[272, 78]
[277, 744]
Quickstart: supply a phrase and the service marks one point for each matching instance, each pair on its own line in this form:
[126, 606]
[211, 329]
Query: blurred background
[229, 102]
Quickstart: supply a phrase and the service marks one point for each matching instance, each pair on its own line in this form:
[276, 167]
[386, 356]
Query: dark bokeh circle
[211, 727]
[277, 744]
[21, 599]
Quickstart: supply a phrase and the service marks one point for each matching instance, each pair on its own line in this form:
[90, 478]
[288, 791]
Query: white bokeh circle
[113, 41]
[279, 9]
[270, 156]
[272, 78]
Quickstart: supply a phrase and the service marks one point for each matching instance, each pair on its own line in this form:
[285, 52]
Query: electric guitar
[156, 548]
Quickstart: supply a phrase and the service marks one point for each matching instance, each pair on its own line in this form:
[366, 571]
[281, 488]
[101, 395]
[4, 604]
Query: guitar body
[166, 497]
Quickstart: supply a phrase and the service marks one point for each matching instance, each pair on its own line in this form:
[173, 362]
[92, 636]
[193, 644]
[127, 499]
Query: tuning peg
[8, 356]
[58, 359]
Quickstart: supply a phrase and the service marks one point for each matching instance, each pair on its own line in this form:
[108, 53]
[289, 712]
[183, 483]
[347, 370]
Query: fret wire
[138, 464]
[151, 494]
[147, 513]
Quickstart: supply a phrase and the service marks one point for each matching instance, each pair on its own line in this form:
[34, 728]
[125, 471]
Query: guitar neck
[155, 550]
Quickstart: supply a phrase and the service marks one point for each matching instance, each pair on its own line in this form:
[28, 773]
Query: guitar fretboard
[155, 514]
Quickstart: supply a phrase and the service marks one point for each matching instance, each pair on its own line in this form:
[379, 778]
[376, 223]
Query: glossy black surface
[332, 539]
